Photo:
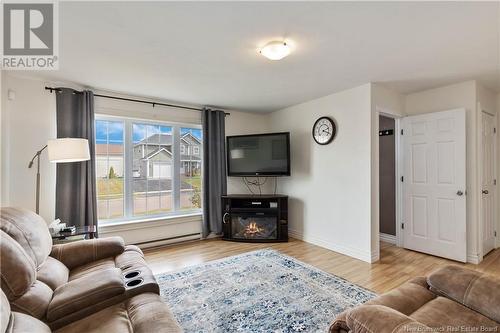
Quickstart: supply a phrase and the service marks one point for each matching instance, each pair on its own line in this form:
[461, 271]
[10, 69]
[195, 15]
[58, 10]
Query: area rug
[259, 291]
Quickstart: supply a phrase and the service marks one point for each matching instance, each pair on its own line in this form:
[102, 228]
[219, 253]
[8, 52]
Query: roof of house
[189, 135]
[162, 139]
[108, 149]
[153, 153]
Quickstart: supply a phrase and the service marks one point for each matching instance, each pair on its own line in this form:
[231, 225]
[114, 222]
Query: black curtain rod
[138, 101]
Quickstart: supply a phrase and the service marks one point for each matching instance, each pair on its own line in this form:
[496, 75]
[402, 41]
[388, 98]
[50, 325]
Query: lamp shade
[68, 150]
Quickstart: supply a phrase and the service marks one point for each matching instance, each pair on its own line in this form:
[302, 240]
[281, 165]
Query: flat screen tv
[258, 155]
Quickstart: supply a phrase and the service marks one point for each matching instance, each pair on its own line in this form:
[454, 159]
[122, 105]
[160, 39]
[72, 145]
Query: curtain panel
[214, 171]
[76, 182]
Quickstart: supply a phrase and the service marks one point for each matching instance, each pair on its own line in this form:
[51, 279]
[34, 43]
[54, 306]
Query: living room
[281, 166]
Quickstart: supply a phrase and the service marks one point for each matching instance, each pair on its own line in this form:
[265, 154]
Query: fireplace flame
[252, 228]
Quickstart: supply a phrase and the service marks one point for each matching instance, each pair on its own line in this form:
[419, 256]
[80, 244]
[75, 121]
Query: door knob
[460, 193]
[485, 192]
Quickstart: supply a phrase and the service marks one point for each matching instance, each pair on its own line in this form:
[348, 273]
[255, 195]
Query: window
[109, 169]
[144, 169]
[191, 169]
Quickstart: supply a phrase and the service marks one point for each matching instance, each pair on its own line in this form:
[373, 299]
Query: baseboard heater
[168, 239]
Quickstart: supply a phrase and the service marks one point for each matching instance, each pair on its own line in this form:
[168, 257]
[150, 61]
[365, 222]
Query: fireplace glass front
[254, 227]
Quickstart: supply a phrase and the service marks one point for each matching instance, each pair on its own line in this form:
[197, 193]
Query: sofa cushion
[4, 312]
[22, 323]
[16, 267]
[15, 322]
[407, 298]
[35, 301]
[378, 319]
[140, 314]
[131, 258]
[85, 292]
[82, 252]
[53, 273]
[29, 230]
[443, 312]
[91, 267]
[475, 290]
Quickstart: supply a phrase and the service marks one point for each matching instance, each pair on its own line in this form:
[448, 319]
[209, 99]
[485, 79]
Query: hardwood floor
[396, 266]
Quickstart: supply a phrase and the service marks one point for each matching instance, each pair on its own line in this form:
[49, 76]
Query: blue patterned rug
[259, 291]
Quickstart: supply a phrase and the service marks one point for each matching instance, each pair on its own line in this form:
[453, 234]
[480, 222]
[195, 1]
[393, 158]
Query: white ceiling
[205, 53]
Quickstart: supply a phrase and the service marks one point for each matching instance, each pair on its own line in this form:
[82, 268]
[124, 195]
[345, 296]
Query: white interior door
[434, 200]
[488, 182]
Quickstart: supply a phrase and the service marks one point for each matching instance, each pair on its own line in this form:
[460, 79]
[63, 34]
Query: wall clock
[324, 130]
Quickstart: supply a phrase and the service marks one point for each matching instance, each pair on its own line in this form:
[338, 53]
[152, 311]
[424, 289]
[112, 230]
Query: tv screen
[258, 155]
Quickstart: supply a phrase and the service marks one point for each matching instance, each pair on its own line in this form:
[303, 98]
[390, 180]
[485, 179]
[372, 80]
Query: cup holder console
[132, 274]
[132, 278]
[134, 282]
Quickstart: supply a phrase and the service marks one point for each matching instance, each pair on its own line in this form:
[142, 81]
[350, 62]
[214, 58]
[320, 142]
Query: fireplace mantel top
[263, 196]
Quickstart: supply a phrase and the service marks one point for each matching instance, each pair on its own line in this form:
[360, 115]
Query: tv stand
[255, 218]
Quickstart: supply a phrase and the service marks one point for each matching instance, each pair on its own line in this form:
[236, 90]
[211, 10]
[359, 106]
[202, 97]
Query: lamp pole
[30, 165]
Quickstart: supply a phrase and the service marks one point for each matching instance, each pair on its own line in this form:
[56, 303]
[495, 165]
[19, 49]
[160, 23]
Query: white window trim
[128, 172]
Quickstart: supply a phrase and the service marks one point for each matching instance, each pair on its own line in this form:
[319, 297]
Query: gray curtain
[75, 182]
[214, 171]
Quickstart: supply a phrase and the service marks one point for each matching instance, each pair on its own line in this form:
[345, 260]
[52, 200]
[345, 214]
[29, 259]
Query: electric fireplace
[255, 218]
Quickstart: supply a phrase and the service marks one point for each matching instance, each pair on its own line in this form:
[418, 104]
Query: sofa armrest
[375, 318]
[475, 290]
[85, 292]
[82, 252]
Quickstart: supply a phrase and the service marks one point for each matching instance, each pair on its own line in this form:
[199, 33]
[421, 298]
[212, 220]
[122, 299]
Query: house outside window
[144, 169]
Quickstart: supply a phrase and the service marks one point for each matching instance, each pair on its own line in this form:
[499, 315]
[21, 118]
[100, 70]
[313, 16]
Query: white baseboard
[391, 239]
[473, 258]
[347, 250]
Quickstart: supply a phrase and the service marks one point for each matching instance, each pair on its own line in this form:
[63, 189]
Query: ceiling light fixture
[275, 50]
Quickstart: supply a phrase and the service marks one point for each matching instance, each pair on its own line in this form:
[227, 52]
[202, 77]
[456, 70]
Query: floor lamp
[63, 150]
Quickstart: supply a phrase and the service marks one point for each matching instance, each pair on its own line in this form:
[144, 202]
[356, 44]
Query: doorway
[387, 179]
[488, 181]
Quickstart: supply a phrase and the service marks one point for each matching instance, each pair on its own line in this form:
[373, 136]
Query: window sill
[149, 222]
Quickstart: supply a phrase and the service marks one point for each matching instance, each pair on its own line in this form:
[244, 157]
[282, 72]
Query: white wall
[28, 122]
[461, 95]
[330, 194]
[240, 123]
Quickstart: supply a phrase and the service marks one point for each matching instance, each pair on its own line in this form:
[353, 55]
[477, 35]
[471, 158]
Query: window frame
[128, 156]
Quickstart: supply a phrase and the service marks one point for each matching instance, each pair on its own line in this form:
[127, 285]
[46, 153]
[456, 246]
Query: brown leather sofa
[143, 313]
[65, 284]
[452, 299]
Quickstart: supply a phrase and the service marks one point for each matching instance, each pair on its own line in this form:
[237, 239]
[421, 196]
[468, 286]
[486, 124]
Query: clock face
[324, 130]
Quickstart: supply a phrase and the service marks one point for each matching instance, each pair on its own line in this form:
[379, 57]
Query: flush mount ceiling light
[275, 50]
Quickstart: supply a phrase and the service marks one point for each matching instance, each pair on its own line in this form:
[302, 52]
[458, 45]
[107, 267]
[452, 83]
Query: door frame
[398, 170]
[480, 177]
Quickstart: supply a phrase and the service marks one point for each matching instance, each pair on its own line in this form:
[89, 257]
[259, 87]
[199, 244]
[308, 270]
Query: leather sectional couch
[451, 299]
[97, 285]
